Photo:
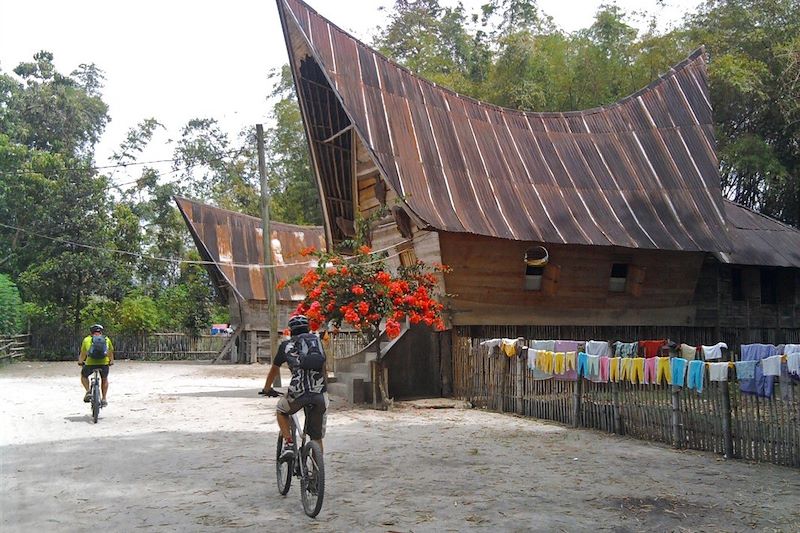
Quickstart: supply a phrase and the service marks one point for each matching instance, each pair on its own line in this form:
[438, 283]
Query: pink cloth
[566, 346]
[650, 370]
[604, 369]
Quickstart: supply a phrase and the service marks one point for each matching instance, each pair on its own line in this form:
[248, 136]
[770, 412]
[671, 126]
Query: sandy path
[189, 447]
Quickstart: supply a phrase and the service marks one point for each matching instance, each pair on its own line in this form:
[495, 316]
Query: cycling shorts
[87, 370]
[315, 425]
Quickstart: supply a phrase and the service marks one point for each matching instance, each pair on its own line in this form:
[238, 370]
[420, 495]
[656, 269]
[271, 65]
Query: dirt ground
[190, 447]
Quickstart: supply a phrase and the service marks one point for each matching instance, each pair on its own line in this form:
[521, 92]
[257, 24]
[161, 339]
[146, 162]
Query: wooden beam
[227, 347]
[337, 134]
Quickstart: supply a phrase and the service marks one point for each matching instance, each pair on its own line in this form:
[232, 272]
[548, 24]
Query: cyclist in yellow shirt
[97, 351]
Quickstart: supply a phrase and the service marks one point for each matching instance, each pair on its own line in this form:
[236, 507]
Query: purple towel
[760, 385]
[567, 346]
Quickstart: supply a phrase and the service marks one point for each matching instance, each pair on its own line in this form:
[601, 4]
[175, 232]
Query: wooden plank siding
[488, 278]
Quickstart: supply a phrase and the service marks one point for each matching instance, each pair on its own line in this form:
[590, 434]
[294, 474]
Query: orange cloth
[652, 348]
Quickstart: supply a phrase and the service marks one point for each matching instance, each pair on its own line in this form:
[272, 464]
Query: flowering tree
[360, 291]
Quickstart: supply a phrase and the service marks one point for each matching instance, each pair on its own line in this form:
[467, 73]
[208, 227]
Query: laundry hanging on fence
[760, 385]
[652, 348]
[492, 346]
[718, 371]
[688, 352]
[626, 349]
[678, 365]
[694, 380]
[613, 369]
[745, 369]
[713, 352]
[663, 372]
[559, 363]
[538, 345]
[511, 347]
[604, 369]
[793, 363]
[568, 347]
[636, 370]
[771, 366]
[650, 370]
[597, 348]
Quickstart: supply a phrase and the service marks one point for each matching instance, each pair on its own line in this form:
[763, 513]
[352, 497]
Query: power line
[195, 262]
[136, 163]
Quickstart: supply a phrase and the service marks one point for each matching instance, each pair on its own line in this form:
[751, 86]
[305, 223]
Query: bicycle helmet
[96, 328]
[298, 324]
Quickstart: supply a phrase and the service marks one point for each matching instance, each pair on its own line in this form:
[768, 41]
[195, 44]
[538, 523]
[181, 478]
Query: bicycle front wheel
[312, 482]
[283, 469]
[95, 401]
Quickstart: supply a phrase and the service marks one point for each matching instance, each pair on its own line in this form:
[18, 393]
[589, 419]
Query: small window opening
[619, 277]
[737, 289]
[533, 278]
[769, 286]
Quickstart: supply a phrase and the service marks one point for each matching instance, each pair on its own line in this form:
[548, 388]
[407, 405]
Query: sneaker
[87, 397]
[288, 452]
[103, 403]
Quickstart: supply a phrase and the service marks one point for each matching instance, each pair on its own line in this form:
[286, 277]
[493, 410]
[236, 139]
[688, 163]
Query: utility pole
[269, 274]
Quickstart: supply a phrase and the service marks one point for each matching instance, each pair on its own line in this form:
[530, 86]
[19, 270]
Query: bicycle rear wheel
[95, 400]
[283, 469]
[312, 482]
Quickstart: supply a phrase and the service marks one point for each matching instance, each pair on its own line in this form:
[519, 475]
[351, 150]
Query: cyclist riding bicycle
[304, 355]
[97, 351]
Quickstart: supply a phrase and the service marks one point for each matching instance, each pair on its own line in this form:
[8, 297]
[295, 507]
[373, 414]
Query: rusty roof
[760, 240]
[233, 241]
[640, 173]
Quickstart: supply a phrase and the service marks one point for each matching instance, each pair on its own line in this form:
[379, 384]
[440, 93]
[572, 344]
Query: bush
[12, 316]
[138, 314]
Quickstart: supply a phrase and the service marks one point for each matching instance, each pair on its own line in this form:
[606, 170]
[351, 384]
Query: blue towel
[760, 385]
[583, 365]
[745, 370]
[697, 370]
[678, 367]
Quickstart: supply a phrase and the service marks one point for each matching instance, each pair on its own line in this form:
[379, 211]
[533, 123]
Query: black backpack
[98, 348]
[308, 350]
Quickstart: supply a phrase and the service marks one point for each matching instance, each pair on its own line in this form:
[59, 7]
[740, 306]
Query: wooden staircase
[354, 373]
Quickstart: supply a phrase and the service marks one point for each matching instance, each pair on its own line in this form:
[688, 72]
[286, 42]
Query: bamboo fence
[720, 419]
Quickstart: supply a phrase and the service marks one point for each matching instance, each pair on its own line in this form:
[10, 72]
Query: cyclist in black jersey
[304, 355]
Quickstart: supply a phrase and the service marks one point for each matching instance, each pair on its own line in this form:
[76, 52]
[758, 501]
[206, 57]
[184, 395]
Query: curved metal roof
[641, 173]
[233, 241]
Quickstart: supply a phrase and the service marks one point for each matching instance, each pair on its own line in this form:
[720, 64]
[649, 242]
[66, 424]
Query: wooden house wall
[487, 283]
[717, 306]
[255, 314]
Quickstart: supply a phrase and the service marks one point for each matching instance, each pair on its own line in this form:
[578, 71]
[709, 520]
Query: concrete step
[352, 368]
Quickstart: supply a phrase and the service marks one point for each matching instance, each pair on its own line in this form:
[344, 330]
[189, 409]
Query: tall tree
[753, 46]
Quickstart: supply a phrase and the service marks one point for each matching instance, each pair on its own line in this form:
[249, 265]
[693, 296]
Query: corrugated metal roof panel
[234, 242]
[760, 240]
[637, 173]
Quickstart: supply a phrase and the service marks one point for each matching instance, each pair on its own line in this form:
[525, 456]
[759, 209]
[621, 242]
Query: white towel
[715, 351]
[598, 348]
[791, 348]
[771, 366]
[718, 371]
[492, 346]
[793, 363]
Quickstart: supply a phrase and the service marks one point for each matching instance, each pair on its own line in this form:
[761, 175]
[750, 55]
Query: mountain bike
[94, 394]
[307, 464]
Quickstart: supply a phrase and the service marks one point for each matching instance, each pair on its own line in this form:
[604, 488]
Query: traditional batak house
[232, 243]
[605, 223]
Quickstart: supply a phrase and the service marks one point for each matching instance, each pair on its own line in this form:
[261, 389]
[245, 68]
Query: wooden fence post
[520, 382]
[727, 434]
[617, 413]
[576, 400]
[676, 417]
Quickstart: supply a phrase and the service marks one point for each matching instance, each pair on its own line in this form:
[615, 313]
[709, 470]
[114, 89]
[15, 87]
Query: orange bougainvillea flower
[305, 252]
[281, 284]
[364, 249]
[358, 290]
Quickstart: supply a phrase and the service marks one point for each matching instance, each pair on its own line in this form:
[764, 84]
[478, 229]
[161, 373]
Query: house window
[737, 289]
[769, 286]
[619, 277]
[533, 278]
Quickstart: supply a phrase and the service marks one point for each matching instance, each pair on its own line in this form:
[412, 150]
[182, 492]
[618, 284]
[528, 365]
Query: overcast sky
[179, 59]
